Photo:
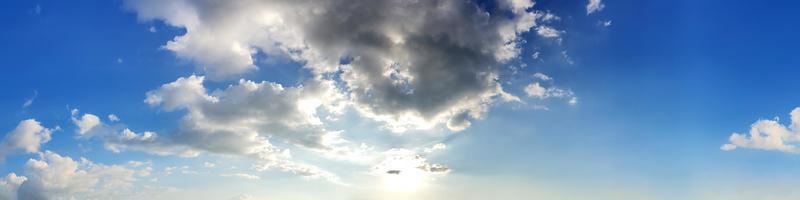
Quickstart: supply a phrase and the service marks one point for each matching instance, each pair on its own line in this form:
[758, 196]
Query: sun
[410, 180]
[402, 172]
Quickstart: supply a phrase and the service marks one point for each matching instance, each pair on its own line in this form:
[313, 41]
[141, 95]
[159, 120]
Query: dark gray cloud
[411, 64]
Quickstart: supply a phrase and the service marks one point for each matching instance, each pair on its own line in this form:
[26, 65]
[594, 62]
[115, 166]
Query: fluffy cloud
[85, 123]
[408, 64]
[117, 139]
[537, 90]
[53, 176]
[548, 32]
[769, 135]
[243, 119]
[9, 186]
[113, 118]
[251, 111]
[28, 136]
[594, 6]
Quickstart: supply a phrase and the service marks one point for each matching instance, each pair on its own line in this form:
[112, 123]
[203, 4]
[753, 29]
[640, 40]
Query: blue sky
[657, 92]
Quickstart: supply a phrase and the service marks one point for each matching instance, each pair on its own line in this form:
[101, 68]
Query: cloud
[85, 123]
[28, 136]
[537, 90]
[548, 32]
[113, 118]
[53, 176]
[594, 6]
[769, 135]
[404, 169]
[29, 102]
[541, 76]
[245, 114]
[408, 64]
[238, 120]
[605, 23]
[9, 186]
[242, 175]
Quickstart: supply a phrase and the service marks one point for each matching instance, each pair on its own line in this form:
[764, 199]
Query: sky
[399, 99]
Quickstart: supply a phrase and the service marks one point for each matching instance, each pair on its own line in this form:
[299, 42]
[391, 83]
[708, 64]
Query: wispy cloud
[29, 102]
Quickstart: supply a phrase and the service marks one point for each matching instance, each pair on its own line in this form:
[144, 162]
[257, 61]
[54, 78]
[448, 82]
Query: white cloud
[53, 176]
[548, 32]
[9, 186]
[404, 170]
[238, 121]
[152, 29]
[413, 65]
[28, 136]
[113, 118]
[406, 161]
[605, 23]
[537, 90]
[209, 165]
[29, 102]
[594, 6]
[542, 77]
[769, 135]
[436, 147]
[242, 175]
[241, 117]
[85, 123]
[304, 170]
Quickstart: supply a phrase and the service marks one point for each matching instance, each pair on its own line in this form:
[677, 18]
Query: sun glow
[403, 171]
[405, 181]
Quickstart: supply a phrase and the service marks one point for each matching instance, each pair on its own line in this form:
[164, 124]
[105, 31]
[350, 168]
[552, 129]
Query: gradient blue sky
[659, 92]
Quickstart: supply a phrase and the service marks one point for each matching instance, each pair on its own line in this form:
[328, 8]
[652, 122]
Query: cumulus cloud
[53, 176]
[537, 90]
[594, 6]
[216, 124]
[28, 136]
[9, 186]
[252, 112]
[548, 32]
[117, 138]
[84, 123]
[113, 118]
[769, 135]
[409, 64]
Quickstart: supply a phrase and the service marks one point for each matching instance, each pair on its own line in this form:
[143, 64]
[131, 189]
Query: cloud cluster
[247, 137]
[769, 135]
[594, 6]
[28, 136]
[251, 111]
[537, 90]
[398, 161]
[53, 176]
[408, 64]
